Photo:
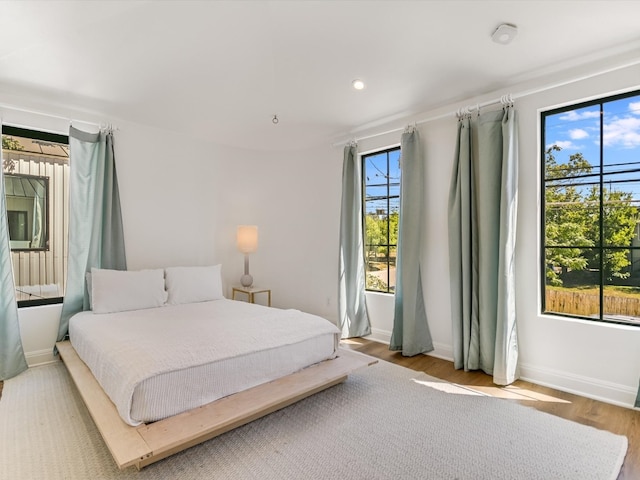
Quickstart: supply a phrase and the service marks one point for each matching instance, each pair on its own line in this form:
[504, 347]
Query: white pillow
[119, 291]
[193, 284]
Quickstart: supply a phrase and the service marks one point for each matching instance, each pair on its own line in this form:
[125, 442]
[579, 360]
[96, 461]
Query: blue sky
[579, 131]
[375, 171]
[575, 131]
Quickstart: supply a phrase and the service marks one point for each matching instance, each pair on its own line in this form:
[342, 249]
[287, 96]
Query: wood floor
[623, 421]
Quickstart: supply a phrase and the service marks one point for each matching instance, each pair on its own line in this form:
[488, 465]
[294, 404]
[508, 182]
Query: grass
[609, 290]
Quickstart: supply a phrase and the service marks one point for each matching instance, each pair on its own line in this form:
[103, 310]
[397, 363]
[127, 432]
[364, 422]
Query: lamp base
[246, 280]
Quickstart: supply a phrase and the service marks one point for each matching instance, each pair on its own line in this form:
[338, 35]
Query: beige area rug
[384, 422]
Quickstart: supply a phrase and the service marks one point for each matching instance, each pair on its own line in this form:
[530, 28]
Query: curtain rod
[464, 110]
[509, 97]
[45, 114]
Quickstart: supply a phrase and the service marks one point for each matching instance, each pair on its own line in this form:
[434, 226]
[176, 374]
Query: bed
[187, 367]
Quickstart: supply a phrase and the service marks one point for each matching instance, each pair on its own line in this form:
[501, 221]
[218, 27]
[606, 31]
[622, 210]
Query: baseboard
[381, 336]
[40, 357]
[440, 350]
[596, 389]
[443, 351]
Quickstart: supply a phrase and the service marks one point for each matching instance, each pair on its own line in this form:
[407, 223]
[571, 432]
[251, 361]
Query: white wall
[294, 199]
[39, 325]
[593, 359]
[596, 360]
[169, 192]
[183, 199]
[39, 330]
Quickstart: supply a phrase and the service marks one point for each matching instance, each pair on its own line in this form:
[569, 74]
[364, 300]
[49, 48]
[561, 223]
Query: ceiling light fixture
[358, 84]
[504, 34]
[275, 120]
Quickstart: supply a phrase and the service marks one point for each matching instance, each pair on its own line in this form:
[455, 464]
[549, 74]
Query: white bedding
[159, 362]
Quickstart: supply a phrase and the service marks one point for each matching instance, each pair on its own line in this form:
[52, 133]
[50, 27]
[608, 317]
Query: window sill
[586, 321]
[39, 302]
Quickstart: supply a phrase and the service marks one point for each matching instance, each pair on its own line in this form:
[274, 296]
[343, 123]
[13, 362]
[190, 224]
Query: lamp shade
[247, 238]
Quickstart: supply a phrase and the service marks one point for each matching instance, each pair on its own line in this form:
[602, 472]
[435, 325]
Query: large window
[591, 207]
[36, 179]
[381, 178]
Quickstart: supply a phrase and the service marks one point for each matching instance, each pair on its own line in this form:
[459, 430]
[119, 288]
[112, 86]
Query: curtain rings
[507, 100]
[465, 112]
[108, 128]
[411, 128]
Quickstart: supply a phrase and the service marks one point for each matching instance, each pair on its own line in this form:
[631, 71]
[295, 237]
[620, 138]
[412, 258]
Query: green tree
[381, 236]
[373, 236]
[572, 217]
[393, 228]
[380, 231]
[619, 219]
[9, 143]
[566, 215]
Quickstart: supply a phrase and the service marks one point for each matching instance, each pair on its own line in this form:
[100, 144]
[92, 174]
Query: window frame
[363, 158]
[45, 182]
[46, 137]
[601, 247]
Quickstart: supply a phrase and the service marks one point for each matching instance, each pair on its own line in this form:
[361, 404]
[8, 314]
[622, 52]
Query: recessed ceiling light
[505, 33]
[358, 84]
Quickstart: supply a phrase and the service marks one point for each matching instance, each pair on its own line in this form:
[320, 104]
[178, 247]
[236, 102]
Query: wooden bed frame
[148, 443]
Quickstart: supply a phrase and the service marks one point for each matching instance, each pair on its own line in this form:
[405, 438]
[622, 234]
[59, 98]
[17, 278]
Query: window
[36, 178]
[381, 179]
[27, 211]
[18, 226]
[591, 200]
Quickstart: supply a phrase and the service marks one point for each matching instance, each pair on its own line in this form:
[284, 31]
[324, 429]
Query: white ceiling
[220, 70]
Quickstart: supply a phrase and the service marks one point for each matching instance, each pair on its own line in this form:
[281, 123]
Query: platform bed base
[145, 444]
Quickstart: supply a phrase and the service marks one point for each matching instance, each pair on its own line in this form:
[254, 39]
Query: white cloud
[623, 132]
[573, 116]
[634, 108]
[578, 133]
[563, 144]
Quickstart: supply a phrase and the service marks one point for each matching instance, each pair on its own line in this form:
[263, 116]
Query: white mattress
[159, 362]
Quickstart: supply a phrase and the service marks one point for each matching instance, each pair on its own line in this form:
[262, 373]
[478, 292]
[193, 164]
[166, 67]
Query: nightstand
[250, 292]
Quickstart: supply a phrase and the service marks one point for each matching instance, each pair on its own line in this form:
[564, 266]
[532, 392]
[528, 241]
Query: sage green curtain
[638, 398]
[463, 253]
[353, 319]
[482, 238]
[12, 360]
[96, 237]
[410, 334]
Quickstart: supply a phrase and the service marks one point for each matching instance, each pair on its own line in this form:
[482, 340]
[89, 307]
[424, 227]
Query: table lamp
[247, 241]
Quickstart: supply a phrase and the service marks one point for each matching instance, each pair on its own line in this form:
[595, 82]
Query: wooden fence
[588, 304]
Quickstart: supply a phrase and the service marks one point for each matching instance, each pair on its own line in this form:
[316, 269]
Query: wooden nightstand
[250, 292]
